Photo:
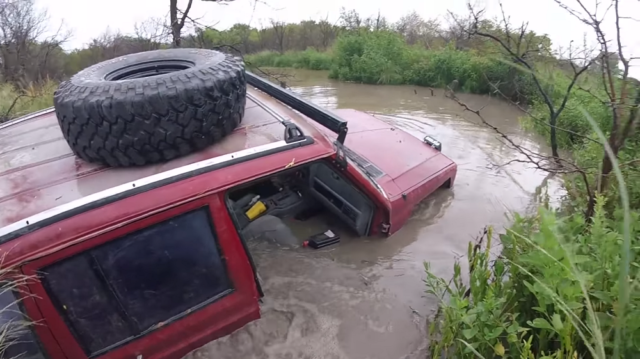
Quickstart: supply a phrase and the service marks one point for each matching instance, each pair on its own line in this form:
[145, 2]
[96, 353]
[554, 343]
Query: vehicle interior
[312, 191]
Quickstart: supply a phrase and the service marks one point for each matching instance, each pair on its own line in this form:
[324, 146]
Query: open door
[341, 197]
[159, 287]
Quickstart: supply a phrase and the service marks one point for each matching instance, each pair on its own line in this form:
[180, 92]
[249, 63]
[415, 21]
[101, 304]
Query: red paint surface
[411, 167]
[94, 227]
[38, 171]
[215, 320]
[41, 173]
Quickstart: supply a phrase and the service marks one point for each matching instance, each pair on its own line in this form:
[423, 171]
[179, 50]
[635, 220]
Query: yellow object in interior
[256, 210]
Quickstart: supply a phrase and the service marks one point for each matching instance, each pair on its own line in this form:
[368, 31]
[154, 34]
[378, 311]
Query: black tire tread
[136, 123]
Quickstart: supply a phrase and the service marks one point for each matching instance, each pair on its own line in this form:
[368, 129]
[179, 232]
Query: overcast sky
[88, 19]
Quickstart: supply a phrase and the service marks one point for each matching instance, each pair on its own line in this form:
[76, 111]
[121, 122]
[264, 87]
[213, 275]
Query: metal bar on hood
[314, 112]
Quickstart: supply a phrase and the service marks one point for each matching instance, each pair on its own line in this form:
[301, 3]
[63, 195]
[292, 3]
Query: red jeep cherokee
[134, 236]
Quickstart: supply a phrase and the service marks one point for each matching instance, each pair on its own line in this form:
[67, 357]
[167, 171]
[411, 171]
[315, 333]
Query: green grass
[11, 331]
[383, 57]
[309, 59]
[556, 291]
[561, 287]
[29, 100]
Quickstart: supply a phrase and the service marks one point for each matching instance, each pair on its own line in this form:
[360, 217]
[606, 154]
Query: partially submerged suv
[150, 261]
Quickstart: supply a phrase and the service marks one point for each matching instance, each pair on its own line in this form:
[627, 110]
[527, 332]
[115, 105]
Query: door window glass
[124, 288]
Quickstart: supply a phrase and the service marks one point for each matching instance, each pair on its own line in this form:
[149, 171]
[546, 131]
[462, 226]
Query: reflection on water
[364, 298]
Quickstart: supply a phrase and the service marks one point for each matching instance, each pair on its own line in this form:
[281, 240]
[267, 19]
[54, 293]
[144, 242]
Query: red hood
[405, 159]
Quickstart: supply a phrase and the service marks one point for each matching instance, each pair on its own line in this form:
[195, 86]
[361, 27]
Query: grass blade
[626, 235]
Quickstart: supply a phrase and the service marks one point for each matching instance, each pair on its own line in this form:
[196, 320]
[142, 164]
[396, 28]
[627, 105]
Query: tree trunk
[553, 138]
[607, 166]
[175, 23]
[177, 39]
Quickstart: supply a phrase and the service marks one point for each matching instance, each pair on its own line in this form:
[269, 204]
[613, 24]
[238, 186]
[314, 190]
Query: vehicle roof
[38, 170]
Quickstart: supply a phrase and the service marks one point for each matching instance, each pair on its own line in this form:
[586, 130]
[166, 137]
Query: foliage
[14, 327]
[51, 62]
[14, 103]
[562, 286]
[370, 57]
[308, 59]
[383, 57]
[578, 136]
[571, 118]
[552, 293]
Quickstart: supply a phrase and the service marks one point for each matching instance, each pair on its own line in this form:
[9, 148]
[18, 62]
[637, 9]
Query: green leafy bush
[383, 57]
[370, 57]
[308, 59]
[551, 293]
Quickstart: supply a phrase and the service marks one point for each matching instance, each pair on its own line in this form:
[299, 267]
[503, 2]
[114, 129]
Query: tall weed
[15, 103]
[308, 59]
[15, 328]
[552, 293]
[562, 287]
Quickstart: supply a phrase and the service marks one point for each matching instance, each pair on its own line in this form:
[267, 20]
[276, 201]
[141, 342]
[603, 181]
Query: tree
[518, 45]
[458, 30]
[417, 30]
[177, 18]
[350, 19]
[377, 23]
[151, 33]
[410, 26]
[26, 52]
[240, 36]
[279, 30]
[306, 38]
[619, 88]
[327, 33]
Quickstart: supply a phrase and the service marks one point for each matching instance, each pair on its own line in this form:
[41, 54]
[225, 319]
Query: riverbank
[384, 58]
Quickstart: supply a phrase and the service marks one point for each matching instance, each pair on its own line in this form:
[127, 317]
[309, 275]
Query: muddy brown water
[365, 298]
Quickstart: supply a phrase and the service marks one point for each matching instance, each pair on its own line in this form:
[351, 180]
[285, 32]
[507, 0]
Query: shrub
[383, 57]
[308, 59]
[552, 293]
[14, 103]
[370, 57]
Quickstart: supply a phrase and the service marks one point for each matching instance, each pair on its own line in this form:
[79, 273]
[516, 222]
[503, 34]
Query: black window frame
[108, 289]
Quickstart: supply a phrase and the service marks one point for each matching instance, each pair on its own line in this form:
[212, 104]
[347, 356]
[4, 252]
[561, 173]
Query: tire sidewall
[145, 120]
[96, 75]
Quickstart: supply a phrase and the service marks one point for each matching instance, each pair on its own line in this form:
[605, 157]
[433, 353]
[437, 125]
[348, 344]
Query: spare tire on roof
[151, 106]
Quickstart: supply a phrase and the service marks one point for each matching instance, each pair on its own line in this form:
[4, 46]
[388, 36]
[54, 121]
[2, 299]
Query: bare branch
[516, 57]
[549, 164]
[535, 118]
[185, 13]
[26, 43]
[7, 114]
